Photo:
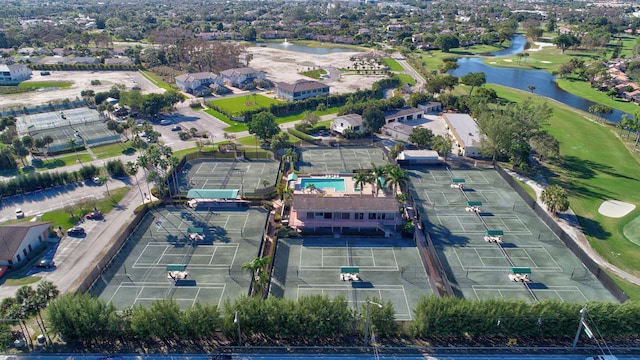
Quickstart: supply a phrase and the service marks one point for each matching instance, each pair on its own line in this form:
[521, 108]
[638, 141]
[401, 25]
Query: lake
[304, 48]
[543, 81]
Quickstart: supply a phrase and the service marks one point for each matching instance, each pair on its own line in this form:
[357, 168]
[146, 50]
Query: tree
[377, 176]
[81, 317]
[396, 177]
[279, 141]
[373, 119]
[360, 179]
[447, 42]
[442, 145]
[555, 199]
[421, 136]
[249, 33]
[565, 41]
[473, 80]
[395, 151]
[263, 125]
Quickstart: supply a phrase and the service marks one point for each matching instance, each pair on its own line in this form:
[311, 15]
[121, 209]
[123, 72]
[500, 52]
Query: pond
[521, 79]
[304, 48]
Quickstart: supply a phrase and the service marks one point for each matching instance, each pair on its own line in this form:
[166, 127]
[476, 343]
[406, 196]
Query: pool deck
[349, 185]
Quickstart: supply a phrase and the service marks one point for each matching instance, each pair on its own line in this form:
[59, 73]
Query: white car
[19, 213]
[165, 122]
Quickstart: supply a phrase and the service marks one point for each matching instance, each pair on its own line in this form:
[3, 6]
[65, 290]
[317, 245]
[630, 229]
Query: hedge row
[39, 181]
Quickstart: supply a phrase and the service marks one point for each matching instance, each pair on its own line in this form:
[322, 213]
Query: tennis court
[84, 125]
[389, 269]
[165, 258]
[339, 159]
[246, 175]
[478, 268]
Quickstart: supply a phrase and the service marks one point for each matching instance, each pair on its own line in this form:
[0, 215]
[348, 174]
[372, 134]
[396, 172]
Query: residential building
[465, 133]
[397, 131]
[13, 74]
[355, 213]
[344, 122]
[197, 83]
[19, 241]
[300, 90]
[403, 114]
[431, 107]
[333, 204]
[241, 76]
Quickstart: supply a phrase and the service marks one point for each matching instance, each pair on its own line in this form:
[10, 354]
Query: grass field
[238, 104]
[406, 79]
[594, 166]
[393, 64]
[155, 80]
[315, 74]
[582, 88]
[46, 84]
[112, 150]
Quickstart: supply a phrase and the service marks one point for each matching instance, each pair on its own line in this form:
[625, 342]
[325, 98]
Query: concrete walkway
[571, 226]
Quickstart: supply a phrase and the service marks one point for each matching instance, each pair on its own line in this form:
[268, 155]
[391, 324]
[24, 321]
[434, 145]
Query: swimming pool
[337, 184]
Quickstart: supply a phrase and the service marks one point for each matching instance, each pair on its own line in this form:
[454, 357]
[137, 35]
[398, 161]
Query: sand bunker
[540, 45]
[615, 208]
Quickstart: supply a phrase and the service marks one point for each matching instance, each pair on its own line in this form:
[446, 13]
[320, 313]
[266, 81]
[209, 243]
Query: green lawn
[234, 126]
[594, 166]
[46, 84]
[112, 150]
[156, 80]
[238, 104]
[406, 79]
[52, 162]
[392, 64]
[315, 74]
[582, 88]
[298, 115]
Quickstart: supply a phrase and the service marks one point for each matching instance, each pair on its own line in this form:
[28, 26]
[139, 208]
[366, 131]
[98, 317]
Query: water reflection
[522, 79]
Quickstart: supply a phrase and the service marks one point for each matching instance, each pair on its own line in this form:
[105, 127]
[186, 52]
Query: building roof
[364, 203]
[240, 71]
[399, 127]
[213, 194]
[5, 67]
[418, 154]
[12, 236]
[351, 119]
[302, 85]
[402, 112]
[195, 76]
[465, 127]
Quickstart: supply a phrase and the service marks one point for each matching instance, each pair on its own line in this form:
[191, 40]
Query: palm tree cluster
[555, 199]
[28, 303]
[259, 270]
[391, 176]
[159, 164]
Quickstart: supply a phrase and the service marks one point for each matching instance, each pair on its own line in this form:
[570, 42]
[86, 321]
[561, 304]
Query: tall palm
[45, 292]
[311, 188]
[144, 162]
[397, 178]
[291, 156]
[73, 144]
[132, 170]
[377, 173]
[360, 179]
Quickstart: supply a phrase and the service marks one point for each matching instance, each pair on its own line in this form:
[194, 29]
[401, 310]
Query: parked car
[96, 179]
[165, 122]
[95, 215]
[45, 263]
[19, 213]
[75, 231]
[176, 128]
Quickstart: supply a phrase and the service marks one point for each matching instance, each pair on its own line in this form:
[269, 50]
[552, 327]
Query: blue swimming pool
[337, 184]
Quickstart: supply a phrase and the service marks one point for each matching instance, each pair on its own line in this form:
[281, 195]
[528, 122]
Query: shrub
[116, 168]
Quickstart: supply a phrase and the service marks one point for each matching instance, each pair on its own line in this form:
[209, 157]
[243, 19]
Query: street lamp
[236, 320]
[368, 316]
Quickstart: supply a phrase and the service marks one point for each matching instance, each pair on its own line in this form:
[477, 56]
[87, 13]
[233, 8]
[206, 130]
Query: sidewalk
[572, 227]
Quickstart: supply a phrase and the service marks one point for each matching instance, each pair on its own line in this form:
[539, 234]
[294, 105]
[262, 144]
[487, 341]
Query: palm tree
[361, 178]
[311, 188]
[291, 155]
[397, 178]
[265, 183]
[73, 144]
[45, 292]
[555, 199]
[377, 175]
[256, 268]
[132, 170]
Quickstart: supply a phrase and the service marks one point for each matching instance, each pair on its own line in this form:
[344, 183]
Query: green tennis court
[339, 159]
[165, 258]
[389, 269]
[478, 268]
[242, 174]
